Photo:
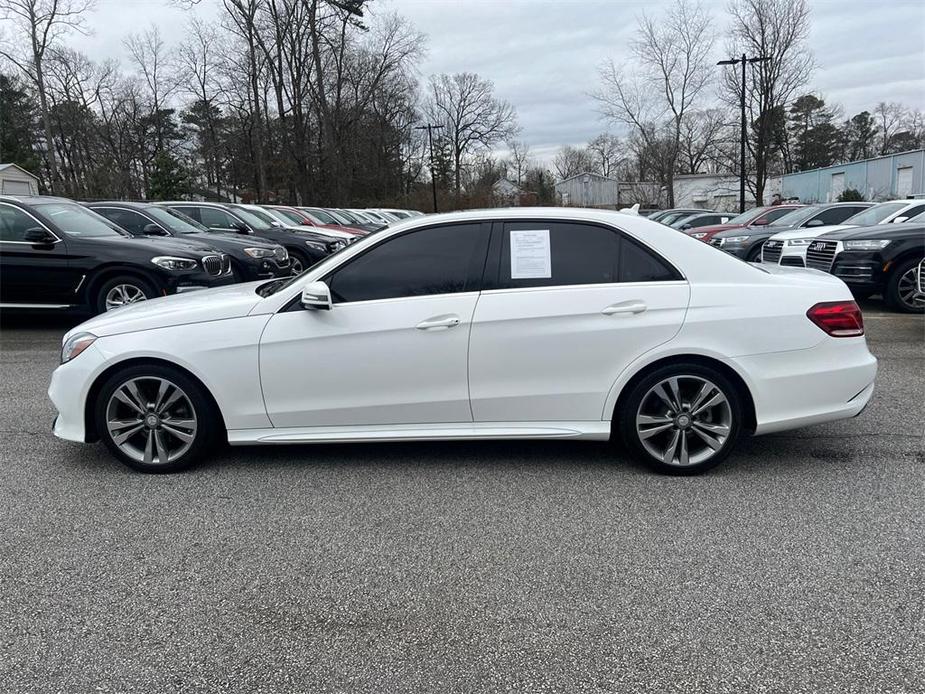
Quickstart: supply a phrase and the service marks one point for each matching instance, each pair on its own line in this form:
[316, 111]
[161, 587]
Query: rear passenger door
[567, 307]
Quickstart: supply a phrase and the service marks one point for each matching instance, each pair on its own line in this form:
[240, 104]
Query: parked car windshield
[796, 217]
[77, 220]
[748, 216]
[291, 216]
[257, 223]
[875, 215]
[177, 222]
[322, 215]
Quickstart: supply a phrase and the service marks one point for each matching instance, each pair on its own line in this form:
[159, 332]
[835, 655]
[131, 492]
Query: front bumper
[177, 284]
[68, 390]
[860, 270]
[264, 269]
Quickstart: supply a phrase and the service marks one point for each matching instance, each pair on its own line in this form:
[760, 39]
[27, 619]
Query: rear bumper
[834, 380]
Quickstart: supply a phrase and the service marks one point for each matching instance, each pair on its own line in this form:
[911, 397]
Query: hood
[220, 303]
[715, 228]
[229, 240]
[165, 244]
[808, 232]
[893, 232]
[744, 231]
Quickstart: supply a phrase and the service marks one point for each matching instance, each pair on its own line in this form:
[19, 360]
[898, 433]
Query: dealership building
[883, 178]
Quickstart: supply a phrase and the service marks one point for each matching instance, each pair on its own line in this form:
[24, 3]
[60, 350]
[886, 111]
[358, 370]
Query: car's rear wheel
[682, 419]
[155, 418]
[900, 291]
[122, 291]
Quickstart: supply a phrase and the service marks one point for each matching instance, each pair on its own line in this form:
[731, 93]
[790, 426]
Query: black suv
[880, 259]
[252, 258]
[55, 253]
[305, 247]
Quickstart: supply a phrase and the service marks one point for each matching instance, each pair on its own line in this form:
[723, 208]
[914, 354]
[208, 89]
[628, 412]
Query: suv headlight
[317, 245]
[799, 242]
[335, 246]
[260, 252]
[76, 344]
[734, 239]
[867, 244]
[169, 262]
[699, 234]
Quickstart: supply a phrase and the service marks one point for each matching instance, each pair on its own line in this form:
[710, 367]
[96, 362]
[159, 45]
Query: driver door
[394, 347]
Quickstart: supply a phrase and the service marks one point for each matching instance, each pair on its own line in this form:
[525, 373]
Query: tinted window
[176, 221]
[837, 215]
[440, 260]
[584, 254]
[78, 220]
[211, 217]
[14, 223]
[913, 212]
[127, 219]
[776, 214]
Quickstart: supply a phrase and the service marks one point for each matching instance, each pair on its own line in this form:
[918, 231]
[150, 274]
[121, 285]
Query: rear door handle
[634, 306]
[438, 322]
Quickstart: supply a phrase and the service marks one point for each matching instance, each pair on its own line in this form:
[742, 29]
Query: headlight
[76, 344]
[169, 262]
[260, 252]
[735, 239]
[867, 244]
[335, 246]
[699, 234]
[317, 245]
[799, 242]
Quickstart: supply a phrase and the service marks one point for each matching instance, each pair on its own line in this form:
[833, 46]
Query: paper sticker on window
[530, 257]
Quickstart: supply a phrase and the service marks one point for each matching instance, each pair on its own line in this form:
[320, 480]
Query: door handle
[438, 322]
[634, 306]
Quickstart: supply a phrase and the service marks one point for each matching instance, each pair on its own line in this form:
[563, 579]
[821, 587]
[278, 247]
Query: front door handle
[634, 306]
[438, 322]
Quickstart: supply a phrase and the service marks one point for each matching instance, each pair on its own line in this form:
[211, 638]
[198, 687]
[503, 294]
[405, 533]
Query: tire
[298, 259]
[132, 289]
[720, 423]
[140, 423]
[754, 255]
[900, 288]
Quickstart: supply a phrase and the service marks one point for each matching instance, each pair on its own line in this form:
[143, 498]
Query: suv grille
[216, 264]
[820, 254]
[770, 251]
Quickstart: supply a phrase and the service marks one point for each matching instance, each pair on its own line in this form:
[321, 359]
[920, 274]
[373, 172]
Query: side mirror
[900, 220]
[241, 228]
[815, 223]
[317, 297]
[38, 236]
[153, 230]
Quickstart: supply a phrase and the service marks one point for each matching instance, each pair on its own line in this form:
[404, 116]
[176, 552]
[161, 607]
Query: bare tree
[672, 55]
[157, 67]
[778, 30]
[518, 159]
[605, 151]
[571, 161]
[702, 136]
[42, 22]
[890, 117]
[472, 116]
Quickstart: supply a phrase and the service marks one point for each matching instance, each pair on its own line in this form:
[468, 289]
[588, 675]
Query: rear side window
[545, 254]
[437, 260]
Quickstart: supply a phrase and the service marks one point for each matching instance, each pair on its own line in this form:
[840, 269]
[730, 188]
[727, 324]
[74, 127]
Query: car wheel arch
[107, 272]
[90, 432]
[624, 386]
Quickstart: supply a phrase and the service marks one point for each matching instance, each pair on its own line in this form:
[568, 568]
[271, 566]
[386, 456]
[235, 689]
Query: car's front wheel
[900, 293]
[682, 419]
[121, 291]
[298, 262]
[156, 418]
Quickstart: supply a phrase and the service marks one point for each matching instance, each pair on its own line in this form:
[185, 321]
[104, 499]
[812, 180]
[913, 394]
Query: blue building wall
[876, 179]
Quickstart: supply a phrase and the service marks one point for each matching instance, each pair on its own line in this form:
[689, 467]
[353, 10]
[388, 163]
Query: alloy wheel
[907, 291]
[123, 294]
[684, 420]
[295, 265]
[151, 420]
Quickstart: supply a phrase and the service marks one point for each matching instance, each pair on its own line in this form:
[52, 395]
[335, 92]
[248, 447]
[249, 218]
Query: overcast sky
[543, 55]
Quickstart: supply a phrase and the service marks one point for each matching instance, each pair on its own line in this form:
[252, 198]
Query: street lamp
[735, 61]
[429, 127]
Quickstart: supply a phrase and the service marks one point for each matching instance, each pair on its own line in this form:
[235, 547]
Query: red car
[301, 218]
[756, 217]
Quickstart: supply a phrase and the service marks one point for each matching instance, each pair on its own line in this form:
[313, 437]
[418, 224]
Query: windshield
[251, 218]
[796, 217]
[76, 220]
[177, 222]
[323, 216]
[290, 216]
[876, 214]
[749, 216]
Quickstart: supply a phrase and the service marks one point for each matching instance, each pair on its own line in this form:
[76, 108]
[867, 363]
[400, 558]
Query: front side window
[77, 220]
[837, 215]
[549, 254]
[14, 223]
[213, 217]
[438, 260]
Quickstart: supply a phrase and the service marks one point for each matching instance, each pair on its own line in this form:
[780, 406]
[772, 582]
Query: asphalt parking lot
[798, 566]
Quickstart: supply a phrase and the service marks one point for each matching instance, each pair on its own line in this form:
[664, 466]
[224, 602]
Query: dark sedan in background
[252, 258]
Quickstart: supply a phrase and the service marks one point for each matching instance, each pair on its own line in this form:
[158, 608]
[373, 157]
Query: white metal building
[15, 180]
[588, 189]
[889, 177]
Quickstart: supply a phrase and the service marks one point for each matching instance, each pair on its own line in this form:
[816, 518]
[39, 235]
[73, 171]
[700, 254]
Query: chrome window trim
[37, 221]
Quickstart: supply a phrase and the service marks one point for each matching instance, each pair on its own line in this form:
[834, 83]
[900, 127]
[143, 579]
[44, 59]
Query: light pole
[735, 61]
[429, 127]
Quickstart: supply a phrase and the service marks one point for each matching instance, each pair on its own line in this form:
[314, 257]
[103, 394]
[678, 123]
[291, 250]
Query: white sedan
[524, 323]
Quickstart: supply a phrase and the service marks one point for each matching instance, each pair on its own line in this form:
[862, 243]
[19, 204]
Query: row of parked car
[875, 248]
[97, 256]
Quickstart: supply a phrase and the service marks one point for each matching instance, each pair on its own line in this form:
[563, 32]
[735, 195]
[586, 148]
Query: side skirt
[596, 431]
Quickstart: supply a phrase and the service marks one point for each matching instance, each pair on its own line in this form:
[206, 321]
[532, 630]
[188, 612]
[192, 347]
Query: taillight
[838, 318]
